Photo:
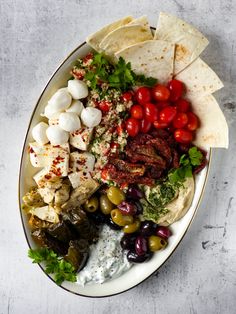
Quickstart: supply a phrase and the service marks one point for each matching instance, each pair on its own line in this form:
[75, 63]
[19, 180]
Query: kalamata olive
[141, 245]
[127, 242]
[135, 258]
[127, 208]
[139, 207]
[163, 232]
[98, 217]
[134, 193]
[147, 228]
[112, 225]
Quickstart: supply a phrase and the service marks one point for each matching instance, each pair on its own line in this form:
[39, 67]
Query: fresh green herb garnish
[187, 162]
[119, 75]
[61, 269]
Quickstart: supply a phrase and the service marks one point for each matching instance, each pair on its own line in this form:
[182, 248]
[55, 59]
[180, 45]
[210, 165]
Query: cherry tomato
[127, 96]
[104, 105]
[162, 104]
[151, 112]
[143, 95]
[136, 112]
[132, 126]
[145, 126]
[160, 92]
[120, 128]
[167, 114]
[183, 136]
[193, 121]
[176, 89]
[160, 125]
[180, 120]
[182, 105]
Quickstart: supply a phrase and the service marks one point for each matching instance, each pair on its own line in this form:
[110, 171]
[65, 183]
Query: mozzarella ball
[54, 119]
[91, 117]
[60, 101]
[49, 112]
[76, 107]
[39, 133]
[69, 121]
[56, 135]
[78, 89]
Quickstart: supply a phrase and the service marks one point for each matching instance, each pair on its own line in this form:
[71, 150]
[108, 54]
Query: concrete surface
[200, 277]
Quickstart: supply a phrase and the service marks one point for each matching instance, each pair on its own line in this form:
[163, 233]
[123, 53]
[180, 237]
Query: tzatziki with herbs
[107, 259]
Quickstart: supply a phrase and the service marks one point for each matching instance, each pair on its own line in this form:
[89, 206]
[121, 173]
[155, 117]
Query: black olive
[135, 258]
[127, 242]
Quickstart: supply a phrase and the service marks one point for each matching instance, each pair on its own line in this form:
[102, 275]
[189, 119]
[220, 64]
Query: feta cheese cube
[55, 157]
[81, 166]
[81, 138]
[46, 178]
[81, 162]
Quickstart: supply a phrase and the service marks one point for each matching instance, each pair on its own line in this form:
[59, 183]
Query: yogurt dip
[107, 259]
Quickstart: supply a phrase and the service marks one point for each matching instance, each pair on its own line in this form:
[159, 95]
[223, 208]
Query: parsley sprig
[119, 76]
[61, 269]
[187, 163]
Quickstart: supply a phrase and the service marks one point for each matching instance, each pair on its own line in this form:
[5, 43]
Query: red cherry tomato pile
[161, 107]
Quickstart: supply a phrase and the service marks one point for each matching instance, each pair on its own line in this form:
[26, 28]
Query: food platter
[138, 272]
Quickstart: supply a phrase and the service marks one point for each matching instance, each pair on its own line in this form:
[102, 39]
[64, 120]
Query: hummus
[165, 203]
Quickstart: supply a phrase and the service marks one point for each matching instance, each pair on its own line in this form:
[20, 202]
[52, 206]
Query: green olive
[156, 243]
[115, 195]
[132, 227]
[119, 219]
[106, 206]
[91, 205]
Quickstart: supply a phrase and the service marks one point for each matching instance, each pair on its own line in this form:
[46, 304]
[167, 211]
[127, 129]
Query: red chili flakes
[31, 150]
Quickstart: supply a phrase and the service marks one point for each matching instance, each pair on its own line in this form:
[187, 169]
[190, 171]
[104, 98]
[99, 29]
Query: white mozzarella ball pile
[63, 111]
[76, 106]
[56, 135]
[69, 121]
[78, 89]
[91, 117]
[39, 133]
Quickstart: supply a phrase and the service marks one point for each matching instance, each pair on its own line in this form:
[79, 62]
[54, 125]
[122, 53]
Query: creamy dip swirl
[107, 260]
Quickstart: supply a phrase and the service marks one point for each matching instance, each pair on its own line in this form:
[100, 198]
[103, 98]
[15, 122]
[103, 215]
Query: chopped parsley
[61, 269]
[187, 163]
[119, 76]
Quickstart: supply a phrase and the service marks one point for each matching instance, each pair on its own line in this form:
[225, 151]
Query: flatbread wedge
[189, 41]
[142, 20]
[94, 39]
[123, 37]
[153, 58]
[199, 79]
[213, 131]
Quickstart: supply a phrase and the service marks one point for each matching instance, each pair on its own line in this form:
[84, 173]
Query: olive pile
[122, 211]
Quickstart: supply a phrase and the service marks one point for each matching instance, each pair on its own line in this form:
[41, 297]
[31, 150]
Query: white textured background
[200, 277]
